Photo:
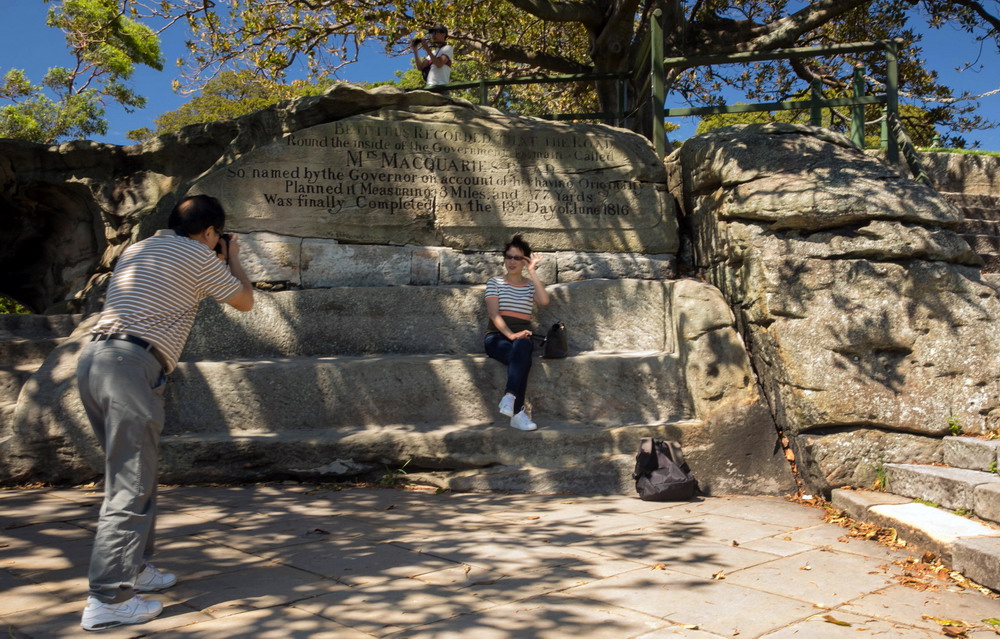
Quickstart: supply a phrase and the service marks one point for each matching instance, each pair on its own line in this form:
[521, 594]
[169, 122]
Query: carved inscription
[375, 180]
[397, 166]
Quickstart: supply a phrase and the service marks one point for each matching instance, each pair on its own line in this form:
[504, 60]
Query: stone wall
[867, 319]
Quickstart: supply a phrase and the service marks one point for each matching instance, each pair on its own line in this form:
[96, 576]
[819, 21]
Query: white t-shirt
[441, 74]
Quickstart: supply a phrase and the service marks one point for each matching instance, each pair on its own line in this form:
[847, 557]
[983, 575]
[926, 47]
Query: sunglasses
[516, 258]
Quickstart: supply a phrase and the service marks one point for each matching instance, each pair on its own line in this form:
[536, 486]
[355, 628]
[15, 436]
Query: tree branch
[521, 55]
[590, 13]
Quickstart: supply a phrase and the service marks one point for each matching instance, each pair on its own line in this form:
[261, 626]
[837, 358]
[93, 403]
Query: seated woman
[509, 301]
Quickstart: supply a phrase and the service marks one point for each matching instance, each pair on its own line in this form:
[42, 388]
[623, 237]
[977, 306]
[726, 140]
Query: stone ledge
[978, 558]
[923, 527]
[971, 453]
[952, 488]
[323, 263]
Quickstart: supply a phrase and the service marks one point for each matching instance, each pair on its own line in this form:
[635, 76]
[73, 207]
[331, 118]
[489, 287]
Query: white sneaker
[99, 615]
[507, 405]
[521, 421]
[151, 580]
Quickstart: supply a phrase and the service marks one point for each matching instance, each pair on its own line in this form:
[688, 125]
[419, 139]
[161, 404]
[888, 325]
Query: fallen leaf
[485, 582]
[835, 621]
[659, 567]
[736, 544]
[806, 567]
[951, 631]
[719, 575]
[390, 506]
[317, 531]
[991, 621]
[534, 517]
[946, 622]
[689, 626]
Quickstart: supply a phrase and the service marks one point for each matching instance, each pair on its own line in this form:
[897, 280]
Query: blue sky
[26, 43]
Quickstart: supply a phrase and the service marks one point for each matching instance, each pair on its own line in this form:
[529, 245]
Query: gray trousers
[121, 386]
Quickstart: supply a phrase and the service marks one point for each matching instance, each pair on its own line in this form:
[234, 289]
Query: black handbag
[556, 343]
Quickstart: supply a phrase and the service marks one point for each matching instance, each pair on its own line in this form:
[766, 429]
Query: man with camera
[148, 313]
[436, 64]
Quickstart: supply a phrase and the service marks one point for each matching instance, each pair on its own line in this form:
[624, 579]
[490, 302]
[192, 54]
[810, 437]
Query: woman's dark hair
[518, 242]
[195, 213]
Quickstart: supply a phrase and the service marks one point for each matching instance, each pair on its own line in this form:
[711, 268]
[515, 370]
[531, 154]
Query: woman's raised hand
[533, 262]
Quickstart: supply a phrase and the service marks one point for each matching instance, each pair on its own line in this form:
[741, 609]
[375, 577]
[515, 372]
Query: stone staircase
[340, 381]
[981, 227]
[951, 510]
[25, 342]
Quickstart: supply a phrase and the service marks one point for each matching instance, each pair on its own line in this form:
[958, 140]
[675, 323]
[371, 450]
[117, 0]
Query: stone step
[601, 315]
[963, 200]
[984, 244]
[970, 547]
[412, 448]
[359, 392]
[604, 476]
[979, 227]
[971, 491]
[37, 326]
[12, 378]
[980, 214]
[991, 264]
[560, 456]
[20, 351]
[972, 453]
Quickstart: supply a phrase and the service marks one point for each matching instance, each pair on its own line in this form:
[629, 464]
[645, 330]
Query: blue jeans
[516, 354]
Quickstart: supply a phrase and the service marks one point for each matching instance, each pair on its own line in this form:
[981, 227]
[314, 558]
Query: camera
[225, 237]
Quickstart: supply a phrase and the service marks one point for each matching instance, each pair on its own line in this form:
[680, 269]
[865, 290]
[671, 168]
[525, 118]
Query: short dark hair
[195, 213]
[518, 242]
[438, 27]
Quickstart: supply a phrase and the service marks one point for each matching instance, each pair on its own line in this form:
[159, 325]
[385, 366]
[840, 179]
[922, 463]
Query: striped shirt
[515, 301]
[156, 288]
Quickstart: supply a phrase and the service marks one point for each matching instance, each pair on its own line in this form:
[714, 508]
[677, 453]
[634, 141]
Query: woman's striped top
[156, 288]
[515, 301]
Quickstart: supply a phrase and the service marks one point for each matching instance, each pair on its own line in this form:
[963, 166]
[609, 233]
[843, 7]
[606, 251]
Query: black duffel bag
[661, 474]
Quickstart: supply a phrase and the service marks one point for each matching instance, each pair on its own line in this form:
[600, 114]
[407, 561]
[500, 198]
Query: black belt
[125, 337]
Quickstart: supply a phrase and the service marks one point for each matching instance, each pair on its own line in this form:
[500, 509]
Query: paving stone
[835, 538]
[822, 626]
[193, 558]
[971, 452]
[712, 605]
[354, 563]
[518, 585]
[672, 632]
[384, 608]
[271, 623]
[978, 558]
[254, 587]
[20, 594]
[62, 620]
[35, 507]
[949, 487]
[768, 510]
[552, 617]
[824, 578]
[915, 607]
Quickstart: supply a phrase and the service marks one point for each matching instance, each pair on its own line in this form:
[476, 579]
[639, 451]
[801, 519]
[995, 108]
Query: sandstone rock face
[862, 310]
[373, 219]
[379, 167]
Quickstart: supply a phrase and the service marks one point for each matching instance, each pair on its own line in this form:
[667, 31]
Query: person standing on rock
[510, 299]
[148, 312]
[435, 65]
